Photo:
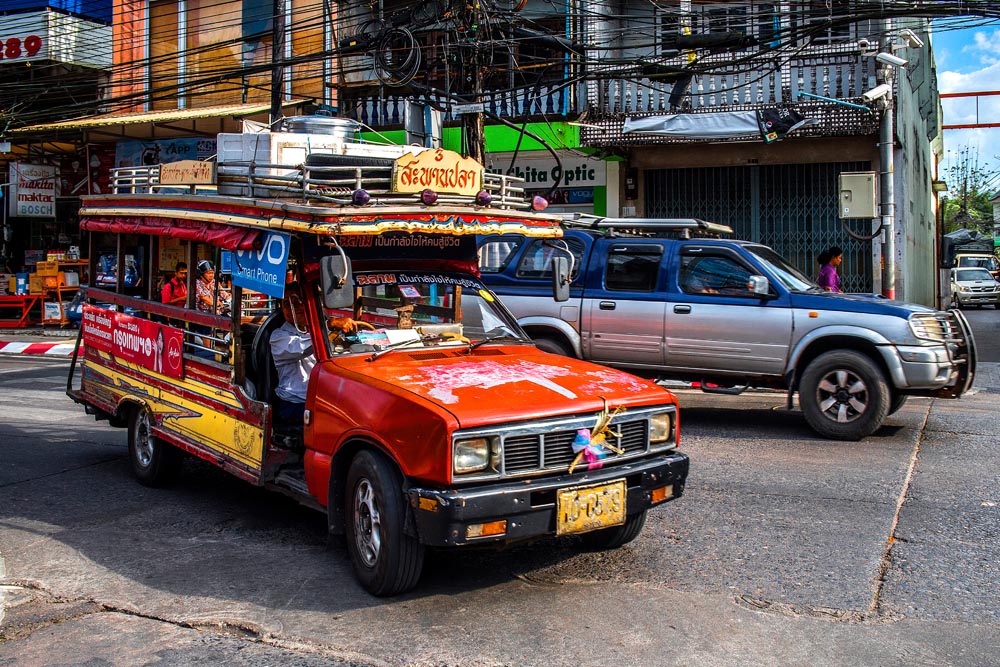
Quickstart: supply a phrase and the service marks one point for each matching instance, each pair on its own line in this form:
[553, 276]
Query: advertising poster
[151, 345]
[32, 190]
[263, 270]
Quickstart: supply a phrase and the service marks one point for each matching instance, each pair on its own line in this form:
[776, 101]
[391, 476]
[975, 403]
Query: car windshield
[973, 274]
[793, 279]
[988, 263]
[418, 309]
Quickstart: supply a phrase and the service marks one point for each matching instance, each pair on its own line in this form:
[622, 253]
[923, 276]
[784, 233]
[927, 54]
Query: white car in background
[974, 287]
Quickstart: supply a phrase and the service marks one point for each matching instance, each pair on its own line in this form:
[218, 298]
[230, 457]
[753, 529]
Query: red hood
[510, 383]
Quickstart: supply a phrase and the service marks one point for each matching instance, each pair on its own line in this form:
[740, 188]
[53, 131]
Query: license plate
[586, 508]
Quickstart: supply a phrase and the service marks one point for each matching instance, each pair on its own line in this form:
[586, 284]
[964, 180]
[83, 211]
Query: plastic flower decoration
[591, 445]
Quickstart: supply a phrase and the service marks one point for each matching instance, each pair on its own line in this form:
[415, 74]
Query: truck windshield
[986, 262]
[785, 273]
[415, 309]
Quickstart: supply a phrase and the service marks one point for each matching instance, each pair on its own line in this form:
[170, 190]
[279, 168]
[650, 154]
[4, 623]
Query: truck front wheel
[612, 538]
[386, 560]
[844, 395]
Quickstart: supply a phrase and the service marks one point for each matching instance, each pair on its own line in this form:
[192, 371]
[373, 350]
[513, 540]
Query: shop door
[792, 208]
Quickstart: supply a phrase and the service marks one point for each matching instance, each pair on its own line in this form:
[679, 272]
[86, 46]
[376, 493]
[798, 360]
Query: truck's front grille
[554, 450]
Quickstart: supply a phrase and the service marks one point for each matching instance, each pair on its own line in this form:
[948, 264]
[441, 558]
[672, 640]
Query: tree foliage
[967, 204]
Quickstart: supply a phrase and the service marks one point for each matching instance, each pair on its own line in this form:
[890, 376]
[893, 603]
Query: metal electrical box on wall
[857, 194]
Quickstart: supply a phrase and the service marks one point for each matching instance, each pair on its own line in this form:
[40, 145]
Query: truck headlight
[661, 426]
[474, 454]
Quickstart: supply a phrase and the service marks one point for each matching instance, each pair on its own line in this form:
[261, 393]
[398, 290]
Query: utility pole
[277, 58]
[473, 127]
[887, 205]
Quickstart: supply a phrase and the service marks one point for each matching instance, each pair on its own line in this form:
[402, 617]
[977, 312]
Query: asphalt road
[785, 550]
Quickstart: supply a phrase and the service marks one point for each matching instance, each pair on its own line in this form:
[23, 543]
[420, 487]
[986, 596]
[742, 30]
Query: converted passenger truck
[431, 419]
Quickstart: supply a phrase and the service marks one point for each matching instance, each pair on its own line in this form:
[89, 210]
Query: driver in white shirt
[292, 350]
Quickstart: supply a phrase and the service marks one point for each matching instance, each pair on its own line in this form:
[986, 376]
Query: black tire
[897, 403]
[844, 395]
[553, 346]
[386, 560]
[612, 538]
[154, 462]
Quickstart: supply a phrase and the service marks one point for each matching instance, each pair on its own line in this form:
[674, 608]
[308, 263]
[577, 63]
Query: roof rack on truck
[332, 169]
[683, 227]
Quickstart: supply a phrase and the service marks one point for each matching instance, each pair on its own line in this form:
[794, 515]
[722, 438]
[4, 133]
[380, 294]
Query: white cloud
[987, 46]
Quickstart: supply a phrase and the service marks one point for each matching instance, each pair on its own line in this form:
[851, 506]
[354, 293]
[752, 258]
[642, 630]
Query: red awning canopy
[222, 236]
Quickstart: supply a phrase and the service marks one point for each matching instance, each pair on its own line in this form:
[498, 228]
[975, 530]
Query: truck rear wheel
[612, 538]
[154, 462]
[386, 560]
[844, 395]
[553, 346]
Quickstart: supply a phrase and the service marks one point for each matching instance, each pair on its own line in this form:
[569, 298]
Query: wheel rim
[143, 440]
[842, 396]
[367, 523]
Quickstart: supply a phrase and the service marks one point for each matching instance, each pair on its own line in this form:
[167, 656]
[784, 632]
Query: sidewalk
[38, 341]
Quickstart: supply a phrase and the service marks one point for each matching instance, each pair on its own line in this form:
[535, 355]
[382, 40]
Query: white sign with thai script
[32, 190]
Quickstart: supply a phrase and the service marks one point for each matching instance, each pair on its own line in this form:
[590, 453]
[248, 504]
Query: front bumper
[442, 517]
[978, 298]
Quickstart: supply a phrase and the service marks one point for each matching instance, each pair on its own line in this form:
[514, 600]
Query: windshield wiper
[497, 337]
[392, 346]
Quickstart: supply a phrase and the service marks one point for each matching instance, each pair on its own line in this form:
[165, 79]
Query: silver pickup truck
[731, 315]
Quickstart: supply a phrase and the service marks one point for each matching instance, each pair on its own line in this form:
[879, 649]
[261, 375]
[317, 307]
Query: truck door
[715, 323]
[624, 313]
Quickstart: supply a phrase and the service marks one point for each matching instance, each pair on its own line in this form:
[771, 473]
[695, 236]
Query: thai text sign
[187, 172]
[152, 345]
[263, 270]
[32, 190]
[438, 170]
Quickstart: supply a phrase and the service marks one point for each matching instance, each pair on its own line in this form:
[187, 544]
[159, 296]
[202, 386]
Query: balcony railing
[551, 100]
[836, 73]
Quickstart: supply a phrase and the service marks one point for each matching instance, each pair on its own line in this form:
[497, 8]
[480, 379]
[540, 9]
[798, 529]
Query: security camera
[866, 47]
[911, 38]
[890, 59]
[876, 93]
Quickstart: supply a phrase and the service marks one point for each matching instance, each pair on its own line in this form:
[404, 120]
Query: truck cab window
[632, 270]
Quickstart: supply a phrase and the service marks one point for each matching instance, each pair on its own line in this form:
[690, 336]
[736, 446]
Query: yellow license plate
[587, 508]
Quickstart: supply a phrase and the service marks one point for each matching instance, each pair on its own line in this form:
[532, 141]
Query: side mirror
[336, 282]
[560, 278]
[759, 285]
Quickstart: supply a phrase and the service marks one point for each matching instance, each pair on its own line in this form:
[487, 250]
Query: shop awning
[223, 236]
[204, 121]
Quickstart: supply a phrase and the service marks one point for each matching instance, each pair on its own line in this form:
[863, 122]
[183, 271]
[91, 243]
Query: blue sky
[968, 60]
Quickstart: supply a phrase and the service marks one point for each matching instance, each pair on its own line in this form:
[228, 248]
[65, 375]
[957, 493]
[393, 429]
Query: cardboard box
[47, 268]
[69, 278]
[50, 282]
[50, 310]
[36, 284]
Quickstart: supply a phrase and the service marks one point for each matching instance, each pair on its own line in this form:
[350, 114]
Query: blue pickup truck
[730, 315]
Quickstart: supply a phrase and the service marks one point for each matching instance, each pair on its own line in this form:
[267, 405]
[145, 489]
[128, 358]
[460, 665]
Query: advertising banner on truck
[151, 345]
[263, 270]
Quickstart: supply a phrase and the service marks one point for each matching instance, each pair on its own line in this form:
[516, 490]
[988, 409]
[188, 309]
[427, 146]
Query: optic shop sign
[263, 270]
[32, 190]
[149, 344]
[541, 172]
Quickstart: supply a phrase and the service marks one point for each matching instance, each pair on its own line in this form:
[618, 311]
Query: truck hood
[502, 383]
[856, 303]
